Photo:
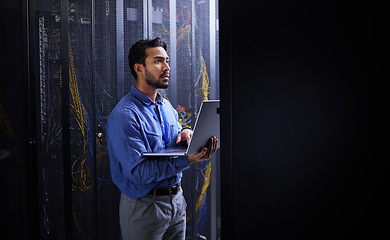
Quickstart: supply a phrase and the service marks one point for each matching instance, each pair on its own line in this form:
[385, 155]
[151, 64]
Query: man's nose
[166, 67]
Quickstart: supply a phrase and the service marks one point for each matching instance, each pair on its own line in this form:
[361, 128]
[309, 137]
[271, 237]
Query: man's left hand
[186, 134]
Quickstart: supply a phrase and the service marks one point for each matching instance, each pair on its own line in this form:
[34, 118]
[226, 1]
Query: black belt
[166, 191]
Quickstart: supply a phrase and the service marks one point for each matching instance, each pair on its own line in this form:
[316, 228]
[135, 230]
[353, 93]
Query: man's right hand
[205, 153]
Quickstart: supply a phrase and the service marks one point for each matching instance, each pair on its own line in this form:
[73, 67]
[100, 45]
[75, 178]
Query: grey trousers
[153, 217]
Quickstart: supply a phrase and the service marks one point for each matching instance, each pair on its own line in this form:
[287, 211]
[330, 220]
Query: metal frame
[31, 146]
[172, 51]
[120, 48]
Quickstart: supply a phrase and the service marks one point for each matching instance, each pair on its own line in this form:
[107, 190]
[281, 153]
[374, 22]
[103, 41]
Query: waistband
[172, 191]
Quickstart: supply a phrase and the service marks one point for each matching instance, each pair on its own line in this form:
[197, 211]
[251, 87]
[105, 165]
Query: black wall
[301, 120]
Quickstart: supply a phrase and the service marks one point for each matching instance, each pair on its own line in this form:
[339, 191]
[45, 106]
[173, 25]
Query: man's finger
[178, 139]
[201, 153]
[215, 145]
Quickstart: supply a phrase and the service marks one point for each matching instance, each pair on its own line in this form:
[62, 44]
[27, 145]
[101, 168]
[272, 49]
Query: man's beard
[154, 82]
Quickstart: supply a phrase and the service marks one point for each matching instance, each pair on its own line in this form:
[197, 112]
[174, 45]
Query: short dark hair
[137, 52]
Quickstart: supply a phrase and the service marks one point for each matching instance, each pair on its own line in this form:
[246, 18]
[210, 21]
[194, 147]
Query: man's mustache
[164, 74]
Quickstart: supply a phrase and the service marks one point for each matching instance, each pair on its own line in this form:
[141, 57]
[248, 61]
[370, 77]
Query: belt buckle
[174, 190]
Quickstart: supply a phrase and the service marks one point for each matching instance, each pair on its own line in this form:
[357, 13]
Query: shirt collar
[143, 98]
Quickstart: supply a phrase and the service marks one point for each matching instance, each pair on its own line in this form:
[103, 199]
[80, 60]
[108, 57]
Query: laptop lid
[206, 126]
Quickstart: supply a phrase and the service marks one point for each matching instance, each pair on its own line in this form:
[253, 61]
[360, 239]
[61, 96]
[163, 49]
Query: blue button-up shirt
[133, 129]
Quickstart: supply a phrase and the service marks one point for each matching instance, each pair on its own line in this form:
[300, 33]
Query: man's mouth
[164, 76]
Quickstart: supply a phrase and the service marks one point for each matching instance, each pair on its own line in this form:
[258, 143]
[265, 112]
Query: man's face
[156, 67]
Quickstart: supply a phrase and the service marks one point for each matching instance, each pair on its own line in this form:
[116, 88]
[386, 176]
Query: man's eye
[158, 61]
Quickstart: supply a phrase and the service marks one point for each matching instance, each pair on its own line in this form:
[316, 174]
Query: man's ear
[138, 68]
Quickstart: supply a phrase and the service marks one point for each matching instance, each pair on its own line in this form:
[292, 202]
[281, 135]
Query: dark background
[302, 120]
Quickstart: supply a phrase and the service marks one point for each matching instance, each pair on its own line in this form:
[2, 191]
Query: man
[152, 205]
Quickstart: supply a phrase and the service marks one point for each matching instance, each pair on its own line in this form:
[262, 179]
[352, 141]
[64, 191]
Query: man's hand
[186, 134]
[205, 153]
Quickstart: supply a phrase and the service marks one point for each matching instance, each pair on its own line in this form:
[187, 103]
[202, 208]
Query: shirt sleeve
[128, 142]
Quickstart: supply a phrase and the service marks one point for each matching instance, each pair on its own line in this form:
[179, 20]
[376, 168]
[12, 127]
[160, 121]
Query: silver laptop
[206, 126]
